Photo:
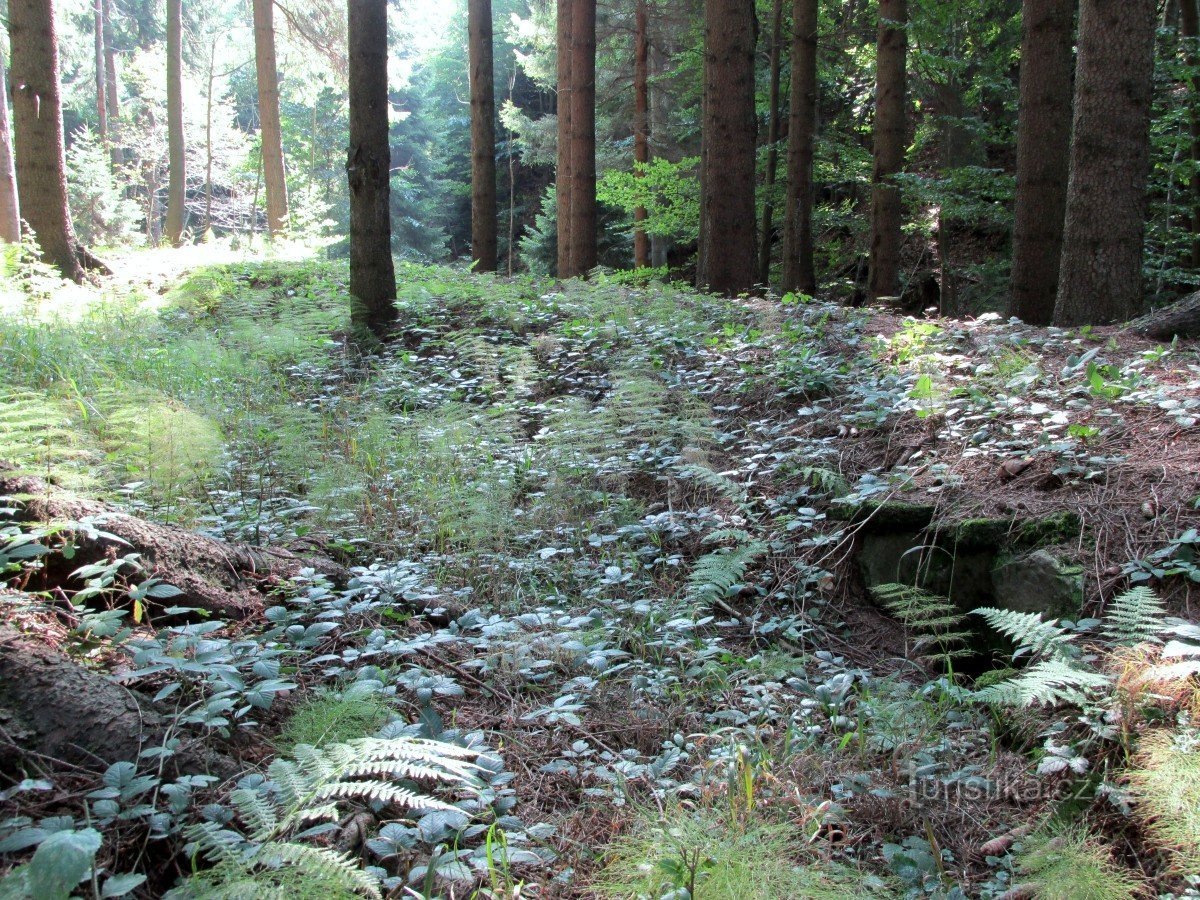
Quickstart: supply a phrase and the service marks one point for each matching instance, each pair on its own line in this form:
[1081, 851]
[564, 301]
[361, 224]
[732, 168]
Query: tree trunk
[37, 121]
[224, 579]
[111, 96]
[891, 63]
[274, 173]
[727, 258]
[1179, 320]
[208, 144]
[101, 77]
[768, 215]
[10, 210]
[368, 169]
[799, 272]
[563, 177]
[483, 136]
[1189, 28]
[176, 155]
[1043, 155]
[583, 138]
[53, 707]
[641, 126]
[659, 243]
[1100, 277]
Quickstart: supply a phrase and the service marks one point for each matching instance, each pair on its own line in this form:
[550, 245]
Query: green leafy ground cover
[629, 503]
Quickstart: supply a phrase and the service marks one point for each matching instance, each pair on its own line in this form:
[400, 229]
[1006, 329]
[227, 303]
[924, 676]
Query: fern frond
[719, 483]
[217, 843]
[715, 573]
[932, 619]
[256, 809]
[1135, 617]
[1027, 630]
[380, 792]
[1049, 682]
[336, 868]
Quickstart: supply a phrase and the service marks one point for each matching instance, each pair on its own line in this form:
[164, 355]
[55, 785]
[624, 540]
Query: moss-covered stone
[980, 534]
[1058, 528]
[1038, 582]
[890, 516]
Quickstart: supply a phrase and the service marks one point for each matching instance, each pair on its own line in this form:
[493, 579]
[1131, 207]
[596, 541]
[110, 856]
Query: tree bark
[176, 154]
[1179, 320]
[799, 271]
[483, 136]
[38, 125]
[1189, 29]
[891, 63]
[227, 580]
[583, 138]
[563, 177]
[1043, 155]
[766, 230]
[53, 707]
[368, 169]
[641, 125]
[10, 210]
[101, 77]
[274, 173]
[727, 258]
[111, 96]
[1100, 276]
[659, 243]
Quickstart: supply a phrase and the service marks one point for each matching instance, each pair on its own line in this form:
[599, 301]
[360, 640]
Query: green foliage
[1069, 863]
[718, 574]
[1134, 617]
[336, 716]
[698, 853]
[101, 213]
[931, 622]
[1030, 635]
[309, 787]
[668, 191]
[1165, 787]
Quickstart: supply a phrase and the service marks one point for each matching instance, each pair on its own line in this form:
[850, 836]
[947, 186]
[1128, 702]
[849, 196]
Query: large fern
[1048, 682]
[1032, 636]
[1135, 617]
[309, 787]
[930, 621]
[721, 484]
[715, 573]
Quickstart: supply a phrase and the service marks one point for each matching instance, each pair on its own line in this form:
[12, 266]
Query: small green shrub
[1166, 787]
[1070, 864]
[702, 854]
[334, 717]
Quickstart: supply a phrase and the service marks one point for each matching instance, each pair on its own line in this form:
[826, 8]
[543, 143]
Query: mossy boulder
[1038, 582]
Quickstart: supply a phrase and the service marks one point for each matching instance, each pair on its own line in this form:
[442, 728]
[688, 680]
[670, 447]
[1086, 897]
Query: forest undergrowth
[606, 628]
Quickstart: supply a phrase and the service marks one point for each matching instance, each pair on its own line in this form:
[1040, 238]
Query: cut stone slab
[1038, 582]
[884, 517]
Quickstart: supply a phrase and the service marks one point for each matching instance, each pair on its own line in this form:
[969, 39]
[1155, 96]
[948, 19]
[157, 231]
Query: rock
[878, 517]
[1038, 582]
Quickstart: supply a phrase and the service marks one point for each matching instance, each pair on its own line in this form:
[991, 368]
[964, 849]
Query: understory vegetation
[644, 594]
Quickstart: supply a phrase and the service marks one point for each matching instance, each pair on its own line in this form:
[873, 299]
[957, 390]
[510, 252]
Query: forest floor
[625, 540]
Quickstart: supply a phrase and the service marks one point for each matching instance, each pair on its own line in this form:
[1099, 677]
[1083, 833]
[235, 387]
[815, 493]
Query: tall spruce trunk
[583, 137]
[38, 126]
[112, 97]
[1100, 277]
[101, 78]
[799, 271]
[274, 173]
[563, 190]
[1043, 155]
[641, 125]
[727, 258]
[659, 243]
[483, 136]
[891, 62]
[10, 208]
[368, 169]
[766, 229]
[1189, 28]
[176, 152]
